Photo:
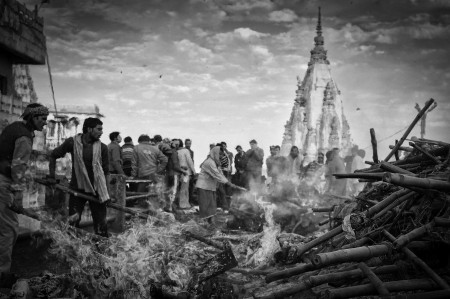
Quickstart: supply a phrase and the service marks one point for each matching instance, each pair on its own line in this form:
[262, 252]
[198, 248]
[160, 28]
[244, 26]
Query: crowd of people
[168, 162]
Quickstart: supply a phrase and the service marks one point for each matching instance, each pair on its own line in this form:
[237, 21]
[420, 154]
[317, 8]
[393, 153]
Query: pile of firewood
[393, 241]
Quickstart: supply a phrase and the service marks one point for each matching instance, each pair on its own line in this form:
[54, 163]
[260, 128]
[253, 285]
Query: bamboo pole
[325, 237]
[316, 280]
[411, 126]
[349, 274]
[302, 268]
[394, 204]
[396, 152]
[437, 152]
[370, 163]
[423, 140]
[323, 209]
[386, 201]
[425, 152]
[442, 294]
[251, 271]
[413, 182]
[94, 199]
[374, 280]
[414, 234]
[419, 262]
[402, 148]
[359, 175]
[357, 243]
[373, 140]
[321, 260]
[205, 240]
[392, 168]
[392, 286]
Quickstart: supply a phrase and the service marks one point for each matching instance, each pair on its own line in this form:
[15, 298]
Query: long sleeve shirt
[185, 159]
[147, 159]
[210, 175]
[115, 158]
[88, 156]
[255, 158]
[19, 164]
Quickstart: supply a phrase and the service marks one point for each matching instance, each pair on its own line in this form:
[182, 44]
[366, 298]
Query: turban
[35, 111]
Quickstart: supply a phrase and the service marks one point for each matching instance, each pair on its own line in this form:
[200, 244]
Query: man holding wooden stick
[16, 143]
[90, 172]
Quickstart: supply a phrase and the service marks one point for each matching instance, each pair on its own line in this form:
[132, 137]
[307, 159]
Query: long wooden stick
[411, 126]
[323, 238]
[359, 175]
[386, 201]
[425, 152]
[374, 280]
[414, 182]
[392, 168]
[419, 262]
[321, 260]
[302, 268]
[373, 140]
[392, 286]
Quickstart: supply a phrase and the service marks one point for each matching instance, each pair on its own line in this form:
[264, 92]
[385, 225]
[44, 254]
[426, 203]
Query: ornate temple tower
[317, 122]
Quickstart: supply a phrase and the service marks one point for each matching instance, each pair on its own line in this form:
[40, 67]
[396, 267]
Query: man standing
[188, 144]
[146, 162]
[173, 171]
[16, 142]
[255, 158]
[186, 163]
[294, 163]
[127, 155]
[115, 153]
[90, 172]
[239, 163]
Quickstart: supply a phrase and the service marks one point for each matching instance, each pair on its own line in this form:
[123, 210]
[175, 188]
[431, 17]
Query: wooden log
[349, 275]
[403, 240]
[396, 153]
[413, 182]
[394, 204]
[283, 291]
[395, 169]
[302, 268]
[374, 279]
[323, 209]
[386, 201]
[419, 262]
[442, 294]
[423, 140]
[323, 238]
[359, 175]
[440, 151]
[375, 169]
[392, 286]
[321, 260]
[425, 152]
[251, 271]
[357, 243]
[205, 240]
[411, 126]
[373, 140]
[402, 148]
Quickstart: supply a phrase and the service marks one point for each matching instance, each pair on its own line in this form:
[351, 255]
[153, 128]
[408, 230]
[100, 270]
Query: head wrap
[214, 154]
[35, 111]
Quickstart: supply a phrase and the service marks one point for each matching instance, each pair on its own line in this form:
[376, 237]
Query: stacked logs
[395, 243]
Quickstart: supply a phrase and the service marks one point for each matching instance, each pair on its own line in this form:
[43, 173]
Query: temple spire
[319, 25]
[319, 54]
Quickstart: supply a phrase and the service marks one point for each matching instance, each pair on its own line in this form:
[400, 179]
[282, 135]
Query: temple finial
[319, 24]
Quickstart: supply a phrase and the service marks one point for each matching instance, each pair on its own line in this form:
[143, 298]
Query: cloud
[281, 16]
[247, 33]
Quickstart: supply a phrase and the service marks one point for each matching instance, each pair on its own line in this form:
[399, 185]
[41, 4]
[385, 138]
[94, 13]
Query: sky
[226, 70]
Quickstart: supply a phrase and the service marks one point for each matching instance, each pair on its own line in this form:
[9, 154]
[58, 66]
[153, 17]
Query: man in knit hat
[16, 142]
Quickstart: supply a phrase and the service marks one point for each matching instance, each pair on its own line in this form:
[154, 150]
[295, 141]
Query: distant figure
[240, 162]
[115, 154]
[349, 159]
[127, 155]
[358, 163]
[294, 163]
[186, 163]
[173, 173]
[223, 192]
[188, 144]
[147, 161]
[336, 165]
[253, 169]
